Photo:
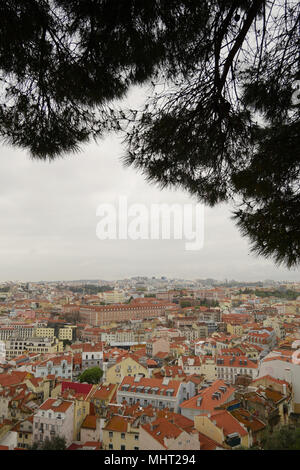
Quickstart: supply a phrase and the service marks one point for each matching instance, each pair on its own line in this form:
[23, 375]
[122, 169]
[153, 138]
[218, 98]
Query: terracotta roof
[206, 443]
[225, 421]
[245, 363]
[162, 428]
[103, 391]
[16, 377]
[248, 420]
[116, 423]
[150, 382]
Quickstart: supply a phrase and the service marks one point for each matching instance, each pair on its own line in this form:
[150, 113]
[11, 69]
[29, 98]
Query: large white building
[284, 367]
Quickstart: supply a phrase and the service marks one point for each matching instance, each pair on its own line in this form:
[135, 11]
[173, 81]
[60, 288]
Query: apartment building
[11, 332]
[230, 366]
[15, 347]
[156, 345]
[264, 337]
[121, 433]
[101, 315]
[44, 332]
[160, 393]
[60, 366]
[125, 366]
[282, 365]
[68, 332]
[80, 395]
[92, 355]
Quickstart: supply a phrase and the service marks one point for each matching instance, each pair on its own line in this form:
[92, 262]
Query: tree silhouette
[222, 121]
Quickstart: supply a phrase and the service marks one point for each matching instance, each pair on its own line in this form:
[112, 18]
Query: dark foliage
[286, 438]
[55, 443]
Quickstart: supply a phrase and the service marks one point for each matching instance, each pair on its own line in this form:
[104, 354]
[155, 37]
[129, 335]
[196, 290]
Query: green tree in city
[285, 438]
[55, 443]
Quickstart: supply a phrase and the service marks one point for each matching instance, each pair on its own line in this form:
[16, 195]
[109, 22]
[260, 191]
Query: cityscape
[148, 363]
[149, 230]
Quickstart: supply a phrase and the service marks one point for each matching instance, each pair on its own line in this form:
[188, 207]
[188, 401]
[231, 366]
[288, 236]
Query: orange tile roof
[49, 404]
[226, 362]
[103, 391]
[150, 382]
[116, 423]
[248, 420]
[272, 379]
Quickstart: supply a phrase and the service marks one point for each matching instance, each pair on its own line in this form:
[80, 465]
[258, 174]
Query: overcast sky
[48, 224]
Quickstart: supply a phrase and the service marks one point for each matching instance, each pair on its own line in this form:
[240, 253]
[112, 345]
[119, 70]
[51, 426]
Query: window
[122, 435]
[110, 434]
[136, 437]
[123, 447]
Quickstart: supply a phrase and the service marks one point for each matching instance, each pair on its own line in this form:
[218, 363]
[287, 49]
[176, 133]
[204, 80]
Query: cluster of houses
[187, 378]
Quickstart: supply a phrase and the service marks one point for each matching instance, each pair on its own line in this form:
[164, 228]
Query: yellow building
[121, 433]
[66, 333]
[235, 329]
[125, 366]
